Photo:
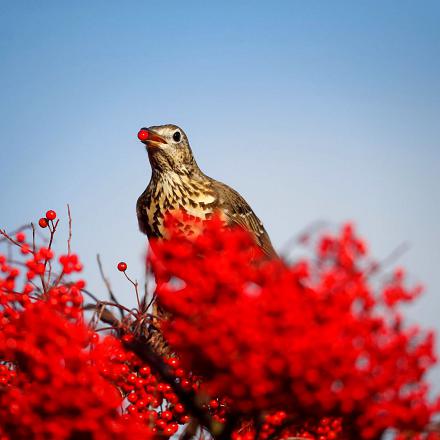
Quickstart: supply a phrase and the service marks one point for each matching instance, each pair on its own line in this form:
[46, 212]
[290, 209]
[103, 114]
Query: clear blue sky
[311, 109]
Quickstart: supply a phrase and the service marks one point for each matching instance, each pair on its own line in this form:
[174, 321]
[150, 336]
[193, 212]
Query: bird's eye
[176, 136]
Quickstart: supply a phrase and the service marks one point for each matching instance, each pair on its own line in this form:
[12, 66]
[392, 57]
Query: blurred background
[313, 110]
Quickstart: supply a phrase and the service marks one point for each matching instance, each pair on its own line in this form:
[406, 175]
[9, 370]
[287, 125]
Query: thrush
[177, 183]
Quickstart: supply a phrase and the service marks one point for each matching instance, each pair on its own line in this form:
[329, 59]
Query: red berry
[213, 404]
[174, 362]
[167, 415]
[51, 215]
[145, 371]
[43, 222]
[161, 424]
[25, 249]
[171, 429]
[179, 408]
[143, 135]
[20, 237]
[185, 419]
[179, 372]
[122, 267]
[132, 397]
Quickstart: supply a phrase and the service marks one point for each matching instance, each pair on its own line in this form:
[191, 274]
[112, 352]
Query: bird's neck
[179, 175]
[181, 189]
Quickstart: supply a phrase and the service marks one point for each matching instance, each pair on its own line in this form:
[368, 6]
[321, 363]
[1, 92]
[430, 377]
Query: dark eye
[176, 136]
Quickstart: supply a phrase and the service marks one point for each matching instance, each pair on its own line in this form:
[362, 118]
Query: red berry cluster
[70, 263]
[50, 216]
[285, 346]
[395, 291]
[63, 380]
[310, 337]
[150, 400]
[37, 264]
[8, 279]
[68, 299]
[278, 424]
[325, 429]
[52, 383]
[272, 423]
[7, 375]
[56, 391]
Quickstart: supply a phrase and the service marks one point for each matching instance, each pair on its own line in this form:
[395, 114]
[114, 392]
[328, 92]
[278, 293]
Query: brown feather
[237, 211]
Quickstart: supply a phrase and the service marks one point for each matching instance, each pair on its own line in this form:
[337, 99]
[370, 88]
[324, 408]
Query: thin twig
[49, 246]
[90, 294]
[107, 284]
[70, 229]
[103, 314]
[16, 231]
[150, 303]
[391, 258]
[103, 329]
[33, 238]
[298, 238]
[7, 237]
[108, 303]
[136, 285]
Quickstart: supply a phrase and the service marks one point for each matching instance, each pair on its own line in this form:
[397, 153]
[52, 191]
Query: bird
[177, 183]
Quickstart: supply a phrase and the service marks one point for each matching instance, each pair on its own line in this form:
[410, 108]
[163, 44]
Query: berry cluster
[325, 429]
[149, 400]
[265, 350]
[7, 375]
[50, 217]
[70, 263]
[278, 424]
[311, 338]
[52, 367]
[53, 388]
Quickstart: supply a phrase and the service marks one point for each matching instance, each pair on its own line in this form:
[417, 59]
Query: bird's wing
[142, 206]
[238, 211]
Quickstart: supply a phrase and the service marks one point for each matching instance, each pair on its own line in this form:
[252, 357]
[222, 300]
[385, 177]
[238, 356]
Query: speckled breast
[196, 198]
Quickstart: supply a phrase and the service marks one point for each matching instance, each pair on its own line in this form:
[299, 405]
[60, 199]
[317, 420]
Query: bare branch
[107, 285]
[136, 288]
[33, 238]
[104, 314]
[90, 294]
[7, 237]
[391, 258]
[301, 236]
[70, 229]
[15, 231]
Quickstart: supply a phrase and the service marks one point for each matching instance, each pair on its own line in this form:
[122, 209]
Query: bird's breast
[173, 193]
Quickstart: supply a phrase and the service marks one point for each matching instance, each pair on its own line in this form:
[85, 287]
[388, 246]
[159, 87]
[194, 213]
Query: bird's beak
[150, 138]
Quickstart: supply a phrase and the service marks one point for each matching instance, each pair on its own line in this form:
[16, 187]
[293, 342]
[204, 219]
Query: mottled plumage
[178, 183]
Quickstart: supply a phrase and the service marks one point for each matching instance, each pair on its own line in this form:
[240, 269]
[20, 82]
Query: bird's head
[168, 148]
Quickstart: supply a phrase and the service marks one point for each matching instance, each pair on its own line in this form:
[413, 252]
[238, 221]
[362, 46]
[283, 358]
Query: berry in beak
[150, 138]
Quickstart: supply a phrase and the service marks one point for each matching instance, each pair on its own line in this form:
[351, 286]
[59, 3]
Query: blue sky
[311, 109]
